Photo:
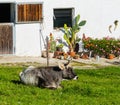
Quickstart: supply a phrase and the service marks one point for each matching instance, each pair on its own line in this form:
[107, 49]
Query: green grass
[94, 87]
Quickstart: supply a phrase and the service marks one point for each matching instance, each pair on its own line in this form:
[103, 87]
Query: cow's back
[50, 74]
[41, 75]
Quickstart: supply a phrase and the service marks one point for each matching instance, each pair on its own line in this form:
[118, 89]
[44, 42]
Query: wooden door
[6, 39]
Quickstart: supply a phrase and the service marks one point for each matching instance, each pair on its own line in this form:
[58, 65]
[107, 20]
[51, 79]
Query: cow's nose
[75, 78]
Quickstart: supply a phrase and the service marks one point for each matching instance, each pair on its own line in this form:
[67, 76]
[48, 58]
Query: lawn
[94, 87]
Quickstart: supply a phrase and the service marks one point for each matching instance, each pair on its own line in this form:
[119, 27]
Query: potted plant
[111, 56]
[52, 46]
[65, 56]
[59, 47]
[70, 34]
[77, 56]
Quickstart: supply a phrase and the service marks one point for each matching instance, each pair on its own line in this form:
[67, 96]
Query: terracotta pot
[72, 54]
[111, 56]
[84, 56]
[57, 53]
[76, 56]
[65, 55]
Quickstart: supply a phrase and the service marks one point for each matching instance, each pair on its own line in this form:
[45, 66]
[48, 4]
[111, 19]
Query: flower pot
[97, 57]
[111, 56]
[65, 56]
[72, 54]
[61, 57]
[56, 53]
[76, 57]
[44, 54]
[84, 56]
[51, 55]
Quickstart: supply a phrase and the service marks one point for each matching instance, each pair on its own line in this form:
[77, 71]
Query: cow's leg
[58, 84]
[50, 85]
[46, 84]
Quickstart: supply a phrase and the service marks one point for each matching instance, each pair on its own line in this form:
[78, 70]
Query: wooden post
[47, 49]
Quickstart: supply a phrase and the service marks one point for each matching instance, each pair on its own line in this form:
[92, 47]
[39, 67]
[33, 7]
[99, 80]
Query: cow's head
[68, 72]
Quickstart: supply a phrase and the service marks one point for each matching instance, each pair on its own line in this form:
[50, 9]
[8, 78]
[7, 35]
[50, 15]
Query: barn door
[6, 38]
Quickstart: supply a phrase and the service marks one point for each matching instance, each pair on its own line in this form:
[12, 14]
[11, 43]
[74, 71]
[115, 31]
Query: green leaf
[77, 18]
[67, 39]
[73, 38]
[77, 40]
[82, 23]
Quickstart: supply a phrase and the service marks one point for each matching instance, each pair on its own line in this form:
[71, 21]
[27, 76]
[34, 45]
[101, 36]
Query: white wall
[49, 5]
[110, 14]
[98, 13]
[27, 40]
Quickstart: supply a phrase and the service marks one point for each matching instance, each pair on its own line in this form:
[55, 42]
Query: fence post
[47, 49]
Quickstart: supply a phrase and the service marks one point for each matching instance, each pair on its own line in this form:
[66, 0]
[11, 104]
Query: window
[28, 12]
[6, 13]
[62, 16]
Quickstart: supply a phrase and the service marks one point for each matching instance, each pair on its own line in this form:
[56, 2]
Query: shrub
[102, 47]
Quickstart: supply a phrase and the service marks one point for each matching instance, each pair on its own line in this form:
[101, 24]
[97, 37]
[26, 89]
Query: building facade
[25, 24]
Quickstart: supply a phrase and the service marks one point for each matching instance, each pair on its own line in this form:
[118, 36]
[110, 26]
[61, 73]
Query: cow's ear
[69, 65]
[69, 60]
[61, 66]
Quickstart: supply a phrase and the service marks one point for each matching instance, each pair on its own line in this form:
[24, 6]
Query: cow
[47, 77]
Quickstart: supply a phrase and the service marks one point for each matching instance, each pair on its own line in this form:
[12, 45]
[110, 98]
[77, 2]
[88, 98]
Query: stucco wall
[27, 40]
[98, 13]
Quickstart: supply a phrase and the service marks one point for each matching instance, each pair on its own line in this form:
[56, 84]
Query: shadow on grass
[16, 82]
[19, 83]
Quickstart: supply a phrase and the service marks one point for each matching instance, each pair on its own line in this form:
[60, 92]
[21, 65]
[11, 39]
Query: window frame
[72, 16]
[27, 3]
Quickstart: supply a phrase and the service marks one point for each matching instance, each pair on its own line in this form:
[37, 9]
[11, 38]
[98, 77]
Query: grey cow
[48, 77]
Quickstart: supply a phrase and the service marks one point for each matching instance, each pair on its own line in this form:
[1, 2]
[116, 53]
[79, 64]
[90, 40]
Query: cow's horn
[69, 60]
[61, 66]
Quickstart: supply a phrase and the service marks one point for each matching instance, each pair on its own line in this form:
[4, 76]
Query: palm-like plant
[70, 34]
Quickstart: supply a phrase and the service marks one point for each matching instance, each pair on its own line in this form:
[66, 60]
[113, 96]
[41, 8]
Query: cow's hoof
[52, 88]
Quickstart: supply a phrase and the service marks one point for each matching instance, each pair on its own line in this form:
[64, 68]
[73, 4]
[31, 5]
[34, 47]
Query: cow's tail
[20, 74]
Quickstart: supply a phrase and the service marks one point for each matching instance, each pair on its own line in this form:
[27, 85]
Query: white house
[24, 24]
